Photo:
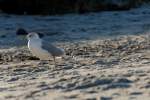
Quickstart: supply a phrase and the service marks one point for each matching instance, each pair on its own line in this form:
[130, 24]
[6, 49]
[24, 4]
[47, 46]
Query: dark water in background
[76, 27]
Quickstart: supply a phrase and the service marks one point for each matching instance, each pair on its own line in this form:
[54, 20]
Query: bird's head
[34, 35]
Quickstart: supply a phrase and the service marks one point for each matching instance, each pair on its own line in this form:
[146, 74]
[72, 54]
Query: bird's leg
[54, 60]
[54, 63]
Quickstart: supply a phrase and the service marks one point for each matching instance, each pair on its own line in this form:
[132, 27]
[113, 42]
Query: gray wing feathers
[53, 50]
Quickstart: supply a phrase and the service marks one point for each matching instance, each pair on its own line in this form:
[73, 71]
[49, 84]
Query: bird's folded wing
[53, 50]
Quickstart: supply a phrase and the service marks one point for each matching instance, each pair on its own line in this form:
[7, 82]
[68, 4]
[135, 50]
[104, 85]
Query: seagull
[42, 49]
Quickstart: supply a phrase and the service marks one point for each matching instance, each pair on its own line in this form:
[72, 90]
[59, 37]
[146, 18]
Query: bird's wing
[53, 50]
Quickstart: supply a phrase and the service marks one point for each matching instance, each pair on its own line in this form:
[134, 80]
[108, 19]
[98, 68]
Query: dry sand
[108, 69]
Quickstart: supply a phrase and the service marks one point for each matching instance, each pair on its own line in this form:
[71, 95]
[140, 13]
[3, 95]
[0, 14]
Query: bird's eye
[30, 35]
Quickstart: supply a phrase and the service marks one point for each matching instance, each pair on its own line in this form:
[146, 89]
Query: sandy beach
[102, 69]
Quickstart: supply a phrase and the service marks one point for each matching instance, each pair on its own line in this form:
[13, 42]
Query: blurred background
[47, 7]
[73, 20]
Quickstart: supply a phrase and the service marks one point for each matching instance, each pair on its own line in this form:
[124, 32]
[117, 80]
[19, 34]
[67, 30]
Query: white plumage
[42, 49]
